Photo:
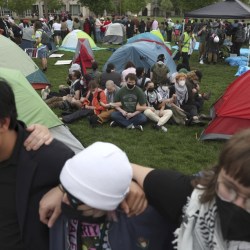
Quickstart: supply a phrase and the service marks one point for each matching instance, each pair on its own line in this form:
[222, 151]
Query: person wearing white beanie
[95, 182]
[99, 176]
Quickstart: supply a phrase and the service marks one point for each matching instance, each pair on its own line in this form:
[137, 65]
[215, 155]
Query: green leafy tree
[98, 6]
[51, 5]
[166, 5]
[188, 5]
[133, 5]
[20, 6]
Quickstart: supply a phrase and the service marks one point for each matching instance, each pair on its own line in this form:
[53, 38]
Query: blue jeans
[139, 119]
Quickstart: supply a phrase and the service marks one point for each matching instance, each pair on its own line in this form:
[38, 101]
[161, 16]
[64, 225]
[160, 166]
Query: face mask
[234, 220]
[165, 88]
[75, 214]
[130, 86]
[182, 83]
[150, 89]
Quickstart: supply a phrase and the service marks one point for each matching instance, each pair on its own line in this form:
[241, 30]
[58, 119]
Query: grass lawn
[179, 148]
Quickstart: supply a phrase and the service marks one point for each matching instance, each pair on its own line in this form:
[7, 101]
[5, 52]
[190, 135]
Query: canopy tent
[231, 112]
[32, 109]
[70, 42]
[142, 54]
[84, 54]
[115, 34]
[13, 57]
[233, 9]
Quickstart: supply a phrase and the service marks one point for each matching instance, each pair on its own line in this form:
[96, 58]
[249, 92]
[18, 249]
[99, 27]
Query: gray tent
[233, 9]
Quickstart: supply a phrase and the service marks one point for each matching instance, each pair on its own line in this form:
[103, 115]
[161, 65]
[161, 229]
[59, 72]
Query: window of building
[5, 11]
[74, 9]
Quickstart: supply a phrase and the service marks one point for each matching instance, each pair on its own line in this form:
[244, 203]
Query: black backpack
[240, 35]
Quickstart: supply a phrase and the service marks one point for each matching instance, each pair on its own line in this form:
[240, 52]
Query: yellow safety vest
[186, 42]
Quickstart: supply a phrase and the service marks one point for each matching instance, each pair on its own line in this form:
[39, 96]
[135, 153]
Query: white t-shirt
[56, 26]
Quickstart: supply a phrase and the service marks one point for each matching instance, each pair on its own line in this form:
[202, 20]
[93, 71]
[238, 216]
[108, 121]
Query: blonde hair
[179, 75]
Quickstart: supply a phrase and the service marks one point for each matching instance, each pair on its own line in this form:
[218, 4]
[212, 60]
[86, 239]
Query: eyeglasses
[228, 193]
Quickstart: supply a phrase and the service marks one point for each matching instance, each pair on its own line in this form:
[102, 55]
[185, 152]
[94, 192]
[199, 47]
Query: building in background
[74, 8]
[37, 9]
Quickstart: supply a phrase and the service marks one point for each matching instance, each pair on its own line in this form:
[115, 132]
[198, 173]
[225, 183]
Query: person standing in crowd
[148, 25]
[214, 204]
[87, 26]
[5, 26]
[56, 29]
[184, 45]
[130, 28]
[213, 43]
[142, 26]
[98, 25]
[69, 23]
[42, 49]
[64, 28]
[202, 34]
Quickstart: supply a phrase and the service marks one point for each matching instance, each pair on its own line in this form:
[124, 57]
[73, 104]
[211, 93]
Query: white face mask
[182, 82]
[165, 88]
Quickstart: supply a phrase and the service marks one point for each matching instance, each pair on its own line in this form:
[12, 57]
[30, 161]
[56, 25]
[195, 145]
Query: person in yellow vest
[184, 45]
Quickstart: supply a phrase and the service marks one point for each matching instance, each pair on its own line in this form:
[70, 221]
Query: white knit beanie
[99, 176]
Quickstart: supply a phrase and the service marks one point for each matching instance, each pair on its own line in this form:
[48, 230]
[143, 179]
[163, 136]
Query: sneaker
[201, 62]
[113, 124]
[139, 127]
[130, 126]
[164, 129]
[205, 117]
[157, 127]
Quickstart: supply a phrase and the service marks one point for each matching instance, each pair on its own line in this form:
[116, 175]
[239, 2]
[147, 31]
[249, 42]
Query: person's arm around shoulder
[40, 135]
[140, 173]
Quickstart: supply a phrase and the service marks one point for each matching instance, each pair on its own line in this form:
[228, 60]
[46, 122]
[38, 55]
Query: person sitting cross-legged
[128, 99]
[156, 108]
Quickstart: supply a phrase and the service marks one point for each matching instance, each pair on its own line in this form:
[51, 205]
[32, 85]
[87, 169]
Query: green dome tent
[70, 42]
[32, 109]
[13, 57]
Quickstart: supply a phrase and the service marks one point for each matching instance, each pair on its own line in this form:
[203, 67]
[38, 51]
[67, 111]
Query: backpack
[240, 35]
[159, 73]
[45, 39]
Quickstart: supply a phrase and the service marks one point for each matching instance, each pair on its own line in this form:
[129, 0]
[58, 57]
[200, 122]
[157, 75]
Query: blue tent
[144, 36]
[142, 54]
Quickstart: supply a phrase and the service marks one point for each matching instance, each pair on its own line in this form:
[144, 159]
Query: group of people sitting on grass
[131, 98]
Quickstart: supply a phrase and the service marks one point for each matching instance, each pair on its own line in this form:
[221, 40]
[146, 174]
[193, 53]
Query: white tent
[115, 34]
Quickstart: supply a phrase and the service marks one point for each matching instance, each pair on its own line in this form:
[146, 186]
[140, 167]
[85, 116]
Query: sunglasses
[74, 202]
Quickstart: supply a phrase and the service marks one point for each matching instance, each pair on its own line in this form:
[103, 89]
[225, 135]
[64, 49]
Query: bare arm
[50, 206]
[140, 173]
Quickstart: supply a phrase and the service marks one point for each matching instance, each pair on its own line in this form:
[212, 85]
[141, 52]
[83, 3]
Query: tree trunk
[46, 14]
